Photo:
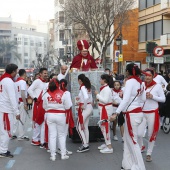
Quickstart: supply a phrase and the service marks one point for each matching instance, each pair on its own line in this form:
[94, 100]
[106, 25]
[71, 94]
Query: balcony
[165, 40]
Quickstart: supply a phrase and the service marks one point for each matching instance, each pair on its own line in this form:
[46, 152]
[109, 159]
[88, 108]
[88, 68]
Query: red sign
[158, 51]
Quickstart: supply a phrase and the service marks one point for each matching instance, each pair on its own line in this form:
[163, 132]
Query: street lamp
[119, 44]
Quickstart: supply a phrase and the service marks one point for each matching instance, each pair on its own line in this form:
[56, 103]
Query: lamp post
[119, 44]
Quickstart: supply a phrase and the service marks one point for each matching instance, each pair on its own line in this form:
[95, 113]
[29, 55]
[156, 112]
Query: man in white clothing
[21, 86]
[8, 107]
[63, 73]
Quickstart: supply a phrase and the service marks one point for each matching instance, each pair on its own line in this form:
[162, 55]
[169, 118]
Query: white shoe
[102, 146]
[115, 138]
[48, 150]
[106, 150]
[64, 157]
[53, 158]
[69, 152]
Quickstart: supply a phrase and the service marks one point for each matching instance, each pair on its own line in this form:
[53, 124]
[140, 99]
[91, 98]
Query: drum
[29, 100]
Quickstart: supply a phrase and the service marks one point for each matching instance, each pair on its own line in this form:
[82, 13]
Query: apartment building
[154, 26]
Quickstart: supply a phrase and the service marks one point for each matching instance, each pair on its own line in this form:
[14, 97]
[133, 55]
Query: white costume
[8, 109]
[82, 127]
[132, 158]
[160, 80]
[56, 121]
[63, 76]
[117, 99]
[150, 109]
[21, 85]
[34, 91]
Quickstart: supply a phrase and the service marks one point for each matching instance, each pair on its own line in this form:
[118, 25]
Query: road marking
[10, 164]
[29, 129]
[17, 150]
[31, 122]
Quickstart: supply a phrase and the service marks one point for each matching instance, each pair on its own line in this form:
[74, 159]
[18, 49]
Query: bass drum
[166, 125]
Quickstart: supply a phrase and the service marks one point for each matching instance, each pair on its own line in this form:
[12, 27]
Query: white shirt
[115, 98]
[129, 93]
[21, 85]
[63, 76]
[36, 88]
[160, 80]
[8, 97]
[158, 96]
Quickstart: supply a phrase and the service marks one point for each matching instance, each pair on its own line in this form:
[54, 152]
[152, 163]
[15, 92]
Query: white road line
[17, 150]
[10, 164]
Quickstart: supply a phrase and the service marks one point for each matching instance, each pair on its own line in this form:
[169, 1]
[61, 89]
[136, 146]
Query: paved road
[28, 157]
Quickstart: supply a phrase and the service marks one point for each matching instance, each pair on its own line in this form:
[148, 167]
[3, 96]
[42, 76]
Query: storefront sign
[158, 60]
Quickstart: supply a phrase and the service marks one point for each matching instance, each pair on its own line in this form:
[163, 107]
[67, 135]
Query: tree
[98, 18]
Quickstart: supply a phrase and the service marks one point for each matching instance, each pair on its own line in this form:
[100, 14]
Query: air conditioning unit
[163, 40]
[164, 4]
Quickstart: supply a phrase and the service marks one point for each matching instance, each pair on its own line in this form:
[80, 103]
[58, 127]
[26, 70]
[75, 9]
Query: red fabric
[104, 116]
[46, 132]
[20, 100]
[137, 78]
[80, 65]
[156, 124]
[55, 111]
[82, 45]
[149, 85]
[5, 75]
[117, 91]
[115, 105]
[42, 80]
[19, 78]
[7, 124]
[56, 95]
[81, 86]
[155, 75]
[70, 121]
[127, 114]
[80, 116]
[35, 110]
[101, 88]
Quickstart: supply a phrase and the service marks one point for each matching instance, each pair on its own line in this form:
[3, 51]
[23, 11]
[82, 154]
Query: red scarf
[150, 84]
[101, 88]
[117, 91]
[136, 78]
[81, 86]
[155, 75]
[6, 75]
[42, 80]
[19, 78]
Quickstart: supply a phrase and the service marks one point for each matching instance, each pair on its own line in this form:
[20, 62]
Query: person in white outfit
[21, 86]
[8, 108]
[106, 110]
[55, 103]
[63, 72]
[132, 96]
[34, 91]
[154, 94]
[84, 111]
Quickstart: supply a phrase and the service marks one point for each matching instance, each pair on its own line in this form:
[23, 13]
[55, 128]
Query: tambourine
[29, 100]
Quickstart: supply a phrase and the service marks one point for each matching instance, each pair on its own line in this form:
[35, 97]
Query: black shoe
[14, 137]
[161, 127]
[83, 149]
[122, 168]
[7, 155]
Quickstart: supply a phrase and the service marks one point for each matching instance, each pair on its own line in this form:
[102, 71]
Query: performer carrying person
[21, 86]
[83, 61]
[132, 96]
[8, 108]
[106, 110]
[34, 91]
[84, 111]
[55, 103]
[154, 94]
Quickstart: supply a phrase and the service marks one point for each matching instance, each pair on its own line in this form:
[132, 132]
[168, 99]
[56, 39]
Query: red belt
[20, 100]
[156, 123]
[104, 116]
[7, 124]
[115, 105]
[55, 111]
[127, 114]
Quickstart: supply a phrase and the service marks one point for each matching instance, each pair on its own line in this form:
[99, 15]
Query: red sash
[156, 124]
[127, 114]
[7, 124]
[46, 132]
[69, 120]
[104, 116]
[55, 111]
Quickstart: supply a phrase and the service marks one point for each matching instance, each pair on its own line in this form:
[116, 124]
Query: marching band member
[106, 110]
[55, 103]
[154, 94]
[34, 91]
[84, 112]
[8, 108]
[130, 105]
[21, 86]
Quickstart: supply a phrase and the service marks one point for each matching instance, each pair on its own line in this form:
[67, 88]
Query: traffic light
[150, 47]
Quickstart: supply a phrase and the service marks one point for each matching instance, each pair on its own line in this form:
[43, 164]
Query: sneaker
[148, 158]
[41, 146]
[35, 143]
[115, 138]
[64, 157]
[14, 137]
[142, 149]
[102, 146]
[26, 138]
[69, 152]
[7, 155]
[83, 149]
[122, 168]
[48, 150]
[53, 158]
[106, 150]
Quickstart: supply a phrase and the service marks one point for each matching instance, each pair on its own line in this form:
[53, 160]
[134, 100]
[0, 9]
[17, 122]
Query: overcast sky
[21, 9]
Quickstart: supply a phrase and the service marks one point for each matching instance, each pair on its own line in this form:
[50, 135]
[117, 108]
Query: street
[28, 157]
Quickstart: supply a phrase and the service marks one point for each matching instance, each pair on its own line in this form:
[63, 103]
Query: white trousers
[84, 133]
[56, 128]
[4, 136]
[132, 157]
[17, 124]
[148, 120]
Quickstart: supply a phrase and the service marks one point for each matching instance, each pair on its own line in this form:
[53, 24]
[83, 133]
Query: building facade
[154, 24]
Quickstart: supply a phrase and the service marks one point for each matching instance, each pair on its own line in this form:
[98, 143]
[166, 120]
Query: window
[157, 2]
[25, 54]
[31, 43]
[61, 16]
[142, 33]
[61, 52]
[149, 3]
[25, 41]
[157, 29]
[142, 4]
[61, 35]
[25, 60]
[149, 34]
